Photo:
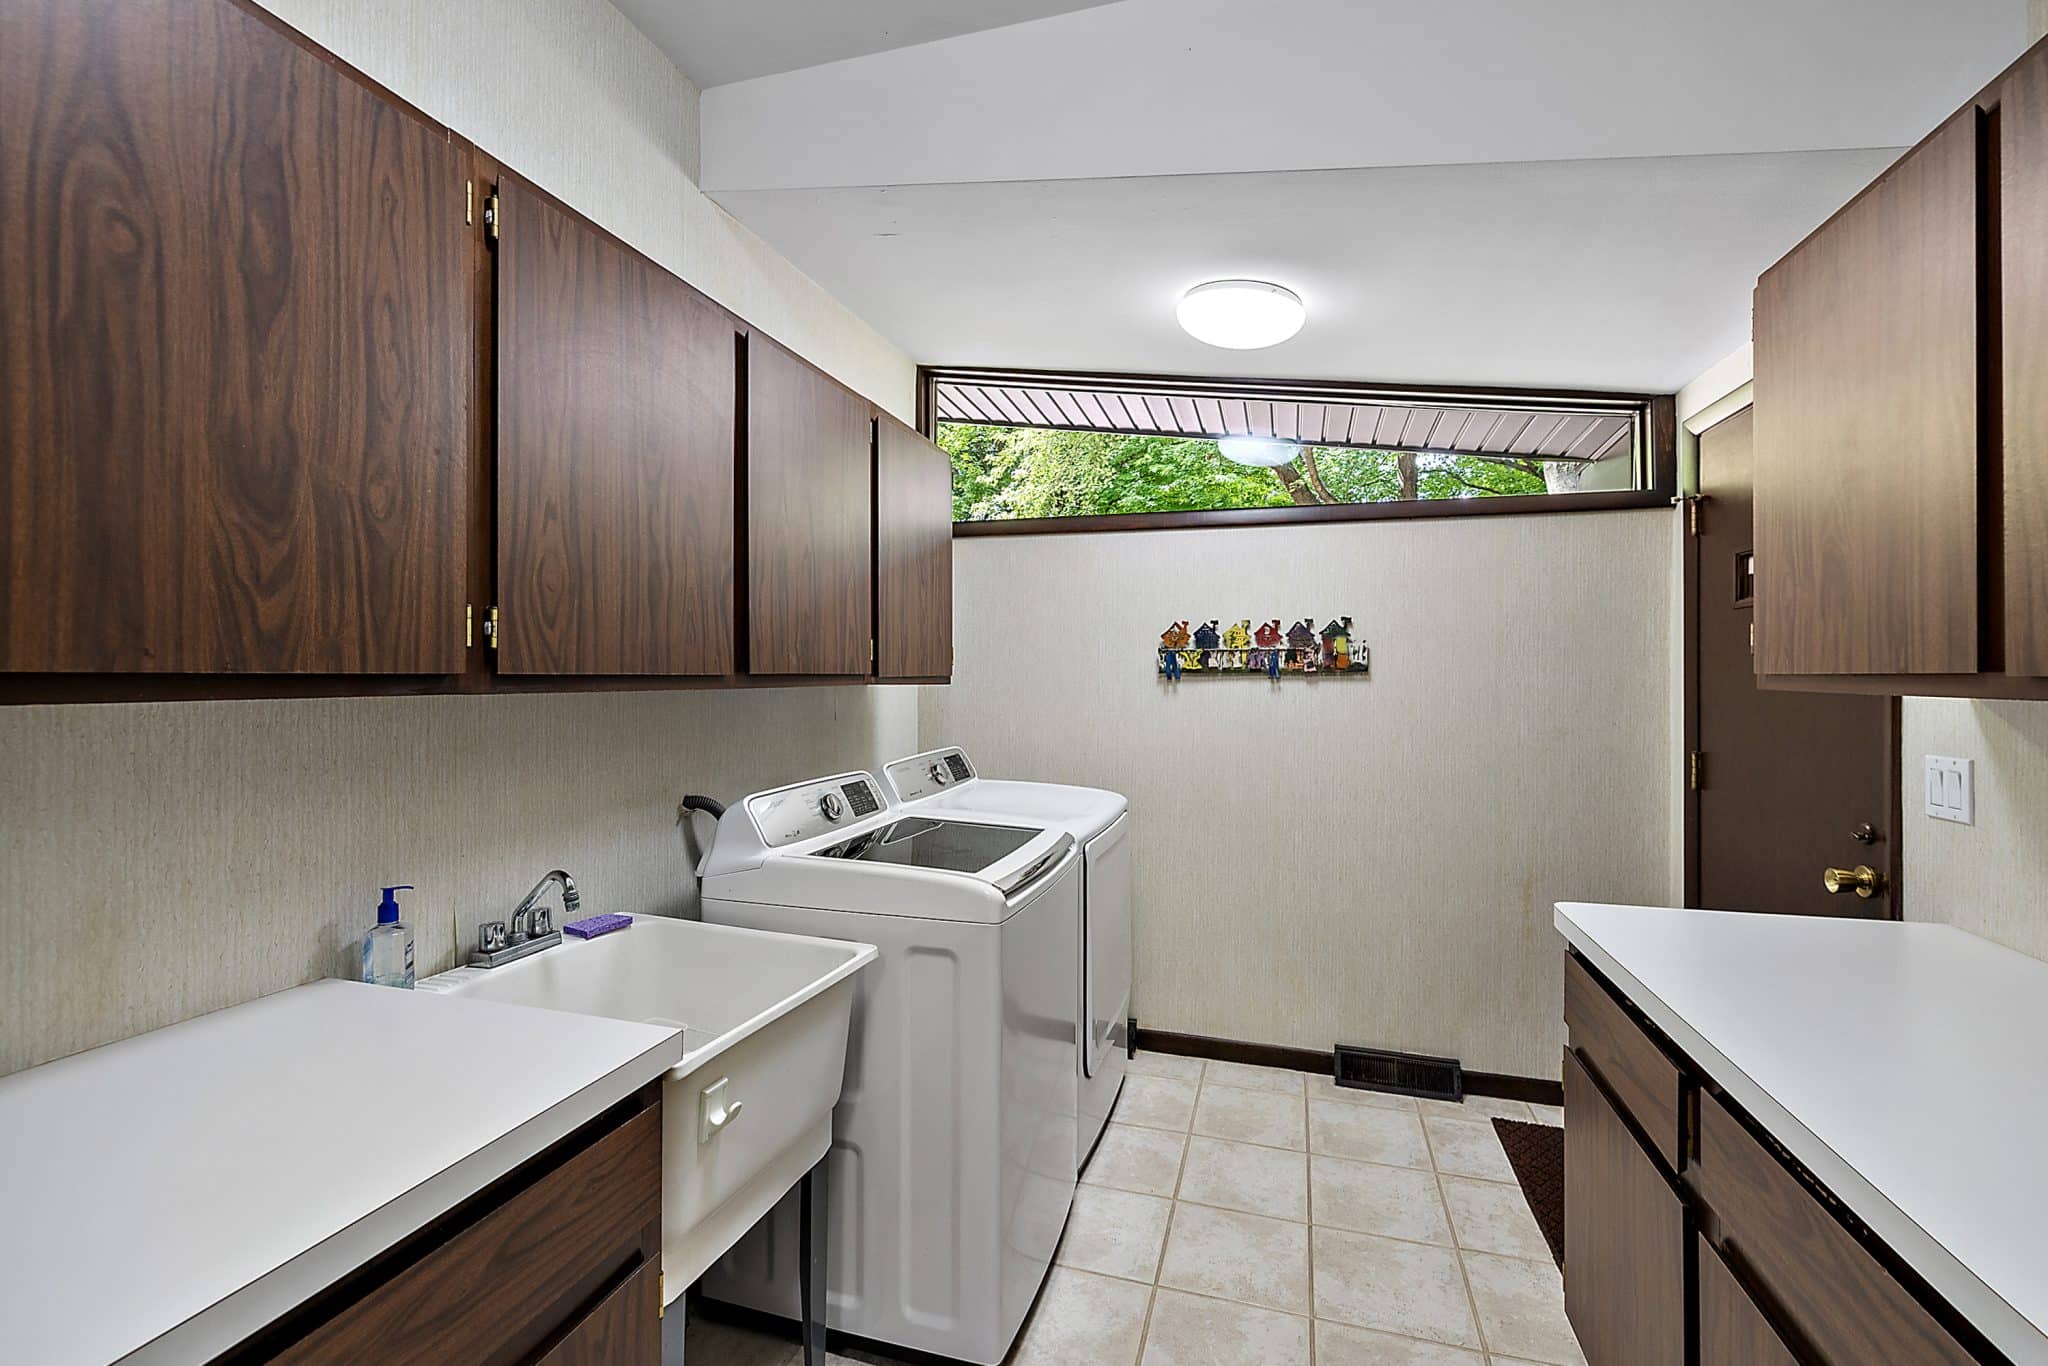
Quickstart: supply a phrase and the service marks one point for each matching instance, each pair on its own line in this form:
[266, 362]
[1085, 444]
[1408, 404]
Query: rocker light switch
[1951, 789]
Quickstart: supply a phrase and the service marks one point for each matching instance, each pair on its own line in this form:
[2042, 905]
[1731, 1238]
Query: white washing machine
[952, 1167]
[944, 780]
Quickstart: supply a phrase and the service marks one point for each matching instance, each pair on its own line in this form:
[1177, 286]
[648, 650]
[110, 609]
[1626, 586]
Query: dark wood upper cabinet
[617, 388]
[913, 554]
[1901, 436]
[810, 515]
[1867, 429]
[2023, 249]
[236, 348]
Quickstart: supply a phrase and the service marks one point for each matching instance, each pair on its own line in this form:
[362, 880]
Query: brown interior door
[2023, 205]
[810, 519]
[617, 385]
[1790, 783]
[1866, 429]
[913, 554]
[235, 348]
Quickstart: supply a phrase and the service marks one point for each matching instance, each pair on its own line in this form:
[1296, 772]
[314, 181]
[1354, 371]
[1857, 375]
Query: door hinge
[491, 215]
[491, 627]
[468, 625]
[1692, 514]
[1696, 770]
[661, 1294]
[469, 201]
[873, 655]
[1752, 637]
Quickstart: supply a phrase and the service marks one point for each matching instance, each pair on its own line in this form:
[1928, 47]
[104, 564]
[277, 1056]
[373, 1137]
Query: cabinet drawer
[1733, 1331]
[506, 1285]
[1823, 1284]
[1625, 1059]
[623, 1330]
[1624, 1237]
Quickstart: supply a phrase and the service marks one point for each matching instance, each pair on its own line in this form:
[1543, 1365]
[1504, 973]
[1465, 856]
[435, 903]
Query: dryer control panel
[923, 774]
[792, 814]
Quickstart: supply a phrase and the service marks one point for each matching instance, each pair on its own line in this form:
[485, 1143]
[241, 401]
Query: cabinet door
[913, 554]
[810, 519]
[1624, 1237]
[1733, 1331]
[2023, 241]
[617, 385]
[235, 344]
[1866, 429]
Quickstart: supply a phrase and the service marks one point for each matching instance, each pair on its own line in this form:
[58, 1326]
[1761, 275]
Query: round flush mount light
[1242, 315]
[1256, 450]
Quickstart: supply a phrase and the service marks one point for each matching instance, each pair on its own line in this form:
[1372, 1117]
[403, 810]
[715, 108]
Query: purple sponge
[591, 927]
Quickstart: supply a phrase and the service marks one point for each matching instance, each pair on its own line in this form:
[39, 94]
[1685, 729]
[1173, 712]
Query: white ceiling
[1615, 274]
[1577, 192]
[717, 41]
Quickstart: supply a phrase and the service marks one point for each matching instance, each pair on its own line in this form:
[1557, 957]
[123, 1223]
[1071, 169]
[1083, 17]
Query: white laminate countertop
[163, 1197]
[1901, 1062]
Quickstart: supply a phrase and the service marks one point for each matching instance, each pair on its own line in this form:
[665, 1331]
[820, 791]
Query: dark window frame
[1656, 416]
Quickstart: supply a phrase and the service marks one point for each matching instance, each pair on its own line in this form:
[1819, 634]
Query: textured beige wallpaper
[572, 96]
[167, 859]
[1990, 878]
[1373, 861]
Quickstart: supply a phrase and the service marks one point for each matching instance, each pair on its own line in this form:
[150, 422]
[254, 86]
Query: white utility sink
[749, 1108]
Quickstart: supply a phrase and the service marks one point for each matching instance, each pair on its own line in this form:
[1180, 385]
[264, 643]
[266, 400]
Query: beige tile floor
[1244, 1216]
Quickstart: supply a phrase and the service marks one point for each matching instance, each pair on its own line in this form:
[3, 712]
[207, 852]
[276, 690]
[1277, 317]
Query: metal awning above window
[1513, 428]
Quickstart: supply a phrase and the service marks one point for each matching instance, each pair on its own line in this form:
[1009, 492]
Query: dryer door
[1106, 942]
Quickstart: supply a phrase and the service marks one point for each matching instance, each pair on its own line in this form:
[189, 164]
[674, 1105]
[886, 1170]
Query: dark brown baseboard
[1534, 1090]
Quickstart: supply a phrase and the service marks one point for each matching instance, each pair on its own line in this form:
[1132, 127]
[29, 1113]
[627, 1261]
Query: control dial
[832, 806]
[940, 775]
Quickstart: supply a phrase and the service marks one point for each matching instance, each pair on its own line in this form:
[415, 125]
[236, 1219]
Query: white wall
[1366, 861]
[164, 860]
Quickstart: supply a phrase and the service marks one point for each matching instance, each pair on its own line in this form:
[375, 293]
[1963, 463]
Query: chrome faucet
[531, 925]
[532, 920]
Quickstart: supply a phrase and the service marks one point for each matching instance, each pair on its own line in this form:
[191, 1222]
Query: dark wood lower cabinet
[559, 1263]
[1738, 1258]
[1733, 1331]
[1624, 1237]
[1827, 1287]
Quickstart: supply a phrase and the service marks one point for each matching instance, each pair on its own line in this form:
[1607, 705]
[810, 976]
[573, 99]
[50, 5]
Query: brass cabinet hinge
[491, 215]
[491, 631]
[469, 201]
[1692, 514]
[661, 1294]
[1696, 770]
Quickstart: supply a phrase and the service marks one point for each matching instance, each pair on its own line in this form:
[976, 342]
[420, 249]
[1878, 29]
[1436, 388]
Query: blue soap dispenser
[387, 950]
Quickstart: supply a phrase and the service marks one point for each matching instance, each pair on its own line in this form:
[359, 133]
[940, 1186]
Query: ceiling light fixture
[1242, 315]
[1257, 450]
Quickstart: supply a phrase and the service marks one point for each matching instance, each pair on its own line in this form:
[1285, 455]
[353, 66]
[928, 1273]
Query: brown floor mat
[1536, 1152]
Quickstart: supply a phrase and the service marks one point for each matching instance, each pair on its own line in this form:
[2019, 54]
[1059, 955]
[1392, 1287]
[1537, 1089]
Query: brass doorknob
[1863, 880]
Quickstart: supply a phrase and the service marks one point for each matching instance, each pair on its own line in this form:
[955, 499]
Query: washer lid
[920, 842]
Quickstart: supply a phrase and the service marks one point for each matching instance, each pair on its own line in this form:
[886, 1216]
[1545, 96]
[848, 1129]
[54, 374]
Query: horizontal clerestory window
[1048, 452]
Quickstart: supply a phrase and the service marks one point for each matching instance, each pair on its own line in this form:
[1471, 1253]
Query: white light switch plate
[1951, 789]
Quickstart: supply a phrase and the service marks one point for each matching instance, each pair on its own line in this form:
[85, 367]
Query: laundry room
[1023, 683]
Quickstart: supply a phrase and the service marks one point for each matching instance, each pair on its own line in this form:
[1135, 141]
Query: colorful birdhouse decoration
[1242, 650]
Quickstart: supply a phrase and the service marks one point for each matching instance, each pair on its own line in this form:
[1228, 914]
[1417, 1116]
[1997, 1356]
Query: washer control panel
[923, 774]
[797, 813]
